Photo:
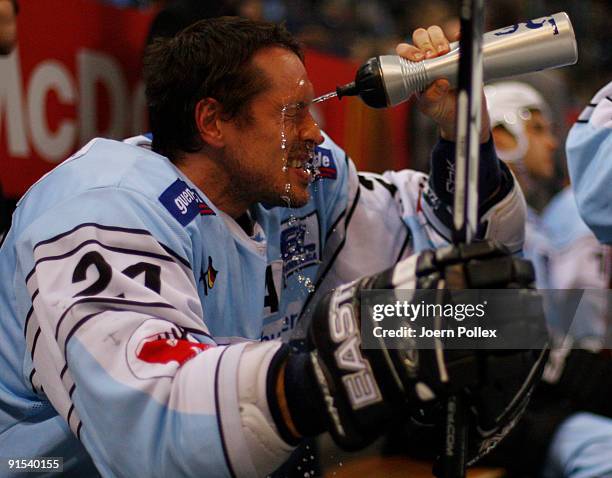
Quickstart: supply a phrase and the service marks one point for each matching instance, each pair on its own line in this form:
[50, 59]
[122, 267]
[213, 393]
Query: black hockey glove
[356, 393]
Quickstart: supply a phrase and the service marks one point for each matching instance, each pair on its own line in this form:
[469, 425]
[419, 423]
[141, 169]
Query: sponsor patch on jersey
[324, 164]
[184, 203]
[300, 246]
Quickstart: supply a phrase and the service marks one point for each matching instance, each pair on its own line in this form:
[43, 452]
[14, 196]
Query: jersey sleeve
[120, 348]
[381, 219]
[589, 156]
[502, 209]
[371, 235]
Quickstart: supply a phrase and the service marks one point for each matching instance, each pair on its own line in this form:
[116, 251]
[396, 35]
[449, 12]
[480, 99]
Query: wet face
[539, 158]
[266, 154]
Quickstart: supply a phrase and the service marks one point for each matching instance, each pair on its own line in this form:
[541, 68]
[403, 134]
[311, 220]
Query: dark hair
[209, 59]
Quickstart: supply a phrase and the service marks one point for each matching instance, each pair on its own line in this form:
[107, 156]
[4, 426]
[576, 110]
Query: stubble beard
[257, 185]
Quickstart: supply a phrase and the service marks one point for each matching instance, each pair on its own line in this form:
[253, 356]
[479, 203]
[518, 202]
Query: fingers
[455, 35]
[410, 52]
[438, 102]
[432, 42]
[428, 43]
[435, 92]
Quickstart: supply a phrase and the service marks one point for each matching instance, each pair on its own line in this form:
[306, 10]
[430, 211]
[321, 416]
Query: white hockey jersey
[128, 304]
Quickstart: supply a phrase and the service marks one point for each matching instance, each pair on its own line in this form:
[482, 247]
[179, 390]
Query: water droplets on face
[283, 144]
[286, 198]
[286, 124]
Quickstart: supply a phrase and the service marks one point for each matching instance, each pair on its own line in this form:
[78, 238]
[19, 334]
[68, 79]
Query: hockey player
[524, 140]
[566, 255]
[137, 285]
[589, 149]
[581, 447]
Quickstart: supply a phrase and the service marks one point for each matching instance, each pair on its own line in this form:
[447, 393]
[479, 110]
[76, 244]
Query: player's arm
[405, 212]
[119, 346]
[501, 208]
[589, 149]
[362, 391]
[372, 221]
[501, 205]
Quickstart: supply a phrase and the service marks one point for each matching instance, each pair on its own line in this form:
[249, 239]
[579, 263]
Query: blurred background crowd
[360, 29]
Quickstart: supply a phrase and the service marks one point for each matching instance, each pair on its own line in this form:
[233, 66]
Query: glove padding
[364, 390]
[479, 265]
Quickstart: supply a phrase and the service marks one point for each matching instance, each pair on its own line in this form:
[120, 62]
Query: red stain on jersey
[168, 350]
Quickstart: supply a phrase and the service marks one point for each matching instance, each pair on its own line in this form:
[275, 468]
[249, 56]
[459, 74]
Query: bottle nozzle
[368, 85]
[350, 89]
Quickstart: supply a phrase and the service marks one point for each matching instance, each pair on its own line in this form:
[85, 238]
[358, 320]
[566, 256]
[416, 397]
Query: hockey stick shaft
[465, 210]
[469, 102]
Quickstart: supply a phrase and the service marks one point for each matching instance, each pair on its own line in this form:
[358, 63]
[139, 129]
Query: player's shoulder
[329, 144]
[99, 164]
[601, 108]
[112, 183]
[563, 199]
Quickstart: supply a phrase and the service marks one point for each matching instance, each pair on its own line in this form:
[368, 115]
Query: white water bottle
[539, 44]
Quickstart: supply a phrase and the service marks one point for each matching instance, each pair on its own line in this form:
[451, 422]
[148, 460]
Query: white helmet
[510, 104]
